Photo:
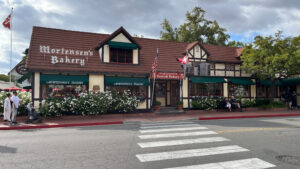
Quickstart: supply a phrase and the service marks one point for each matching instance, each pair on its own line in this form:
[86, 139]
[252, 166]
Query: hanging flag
[6, 23]
[184, 60]
[154, 64]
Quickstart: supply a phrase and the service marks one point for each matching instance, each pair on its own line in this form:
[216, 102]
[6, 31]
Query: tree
[196, 28]
[4, 78]
[236, 44]
[272, 57]
[25, 54]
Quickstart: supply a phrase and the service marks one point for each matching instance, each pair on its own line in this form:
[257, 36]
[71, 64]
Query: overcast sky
[243, 19]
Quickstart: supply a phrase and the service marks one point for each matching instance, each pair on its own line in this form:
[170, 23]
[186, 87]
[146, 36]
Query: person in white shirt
[7, 108]
[16, 101]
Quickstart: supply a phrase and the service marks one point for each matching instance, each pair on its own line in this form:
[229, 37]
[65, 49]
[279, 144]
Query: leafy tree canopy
[236, 44]
[4, 77]
[196, 28]
[272, 57]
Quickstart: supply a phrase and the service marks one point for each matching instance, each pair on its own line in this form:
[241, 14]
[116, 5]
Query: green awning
[268, 83]
[290, 81]
[207, 80]
[24, 77]
[64, 79]
[126, 81]
[122, 45]
[241, 81]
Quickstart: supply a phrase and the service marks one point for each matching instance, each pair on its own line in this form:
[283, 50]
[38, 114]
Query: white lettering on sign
[62, 55]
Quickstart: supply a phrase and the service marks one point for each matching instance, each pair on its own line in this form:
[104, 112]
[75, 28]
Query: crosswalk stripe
[189, 153]
[252, 163]
[182, 142]
[172, 129]
[165, 123]
[166, 135]
[169, 126]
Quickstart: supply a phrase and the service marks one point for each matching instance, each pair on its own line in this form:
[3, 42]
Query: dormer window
[121, 56]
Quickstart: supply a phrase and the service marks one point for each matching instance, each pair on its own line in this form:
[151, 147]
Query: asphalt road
[215, 144]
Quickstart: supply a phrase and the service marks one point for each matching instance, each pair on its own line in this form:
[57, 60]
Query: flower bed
[90, 104]
[24, 96]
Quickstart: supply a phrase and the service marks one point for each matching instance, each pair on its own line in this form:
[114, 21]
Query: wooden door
[174, 93]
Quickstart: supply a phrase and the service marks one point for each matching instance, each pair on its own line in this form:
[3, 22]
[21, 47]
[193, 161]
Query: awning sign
[167, 75]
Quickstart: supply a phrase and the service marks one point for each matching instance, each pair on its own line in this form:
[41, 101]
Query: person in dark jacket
[294, 100]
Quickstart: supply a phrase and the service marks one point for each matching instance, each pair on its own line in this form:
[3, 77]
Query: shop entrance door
[174, 93]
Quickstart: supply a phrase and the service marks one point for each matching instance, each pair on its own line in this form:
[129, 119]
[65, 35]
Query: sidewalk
[107, 119]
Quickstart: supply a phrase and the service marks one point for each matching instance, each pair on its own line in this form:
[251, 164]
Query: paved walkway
[68, 121]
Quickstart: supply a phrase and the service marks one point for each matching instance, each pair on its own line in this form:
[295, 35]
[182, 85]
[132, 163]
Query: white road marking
[252, 163]
[169, 126]
[182, 142]
[189, 153]
[166, 135]
[172, 129]
[166, 123]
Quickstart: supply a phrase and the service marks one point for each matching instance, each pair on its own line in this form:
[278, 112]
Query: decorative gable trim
[197, 52]
[119, 31]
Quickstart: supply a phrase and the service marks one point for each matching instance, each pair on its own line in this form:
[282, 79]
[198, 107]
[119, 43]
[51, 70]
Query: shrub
[249, 103]
[157, 103]
[24, 96]
[205, 103]
[90, 104]
[261, 102]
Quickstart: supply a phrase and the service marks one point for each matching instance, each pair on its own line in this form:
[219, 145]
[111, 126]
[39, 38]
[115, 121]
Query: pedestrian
[16, 101]
[234, 103]
[289, 99]
[7, 108]
[294, 100]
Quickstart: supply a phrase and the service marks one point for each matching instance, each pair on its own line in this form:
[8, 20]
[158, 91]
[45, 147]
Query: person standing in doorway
[16, 102]
[7, 108]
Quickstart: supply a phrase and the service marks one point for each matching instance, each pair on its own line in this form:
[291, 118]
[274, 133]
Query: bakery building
[64, 62]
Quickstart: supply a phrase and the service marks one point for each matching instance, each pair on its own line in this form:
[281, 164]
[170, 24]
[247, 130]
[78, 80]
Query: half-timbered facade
[68, 62]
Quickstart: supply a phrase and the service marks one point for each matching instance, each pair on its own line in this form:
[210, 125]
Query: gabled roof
[168, 52]
[116, 33]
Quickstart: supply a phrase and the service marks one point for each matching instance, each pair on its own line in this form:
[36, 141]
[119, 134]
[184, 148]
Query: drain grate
[289, 159]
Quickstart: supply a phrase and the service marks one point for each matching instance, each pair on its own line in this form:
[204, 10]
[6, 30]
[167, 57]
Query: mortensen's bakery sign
[66, 56]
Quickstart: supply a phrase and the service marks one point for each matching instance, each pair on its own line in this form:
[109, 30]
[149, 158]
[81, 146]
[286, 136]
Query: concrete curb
[60, 125]
[248, 116]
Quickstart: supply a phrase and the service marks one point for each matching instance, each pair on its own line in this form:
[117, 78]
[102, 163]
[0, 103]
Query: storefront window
[49, 90]
[206, 89]
[120, 55]
[239, 90]
[261, 91]
[138, 91]
[160, 89]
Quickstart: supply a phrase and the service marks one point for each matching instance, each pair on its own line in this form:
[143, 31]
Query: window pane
[238, 90]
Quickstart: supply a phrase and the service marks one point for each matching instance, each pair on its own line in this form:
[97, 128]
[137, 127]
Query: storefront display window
[160, 89]
[138, 91]
[261, 91]
[50, 90]
[239, 90]
[206, 89]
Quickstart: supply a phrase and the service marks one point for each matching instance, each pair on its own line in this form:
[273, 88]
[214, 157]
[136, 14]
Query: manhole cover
[289, 159]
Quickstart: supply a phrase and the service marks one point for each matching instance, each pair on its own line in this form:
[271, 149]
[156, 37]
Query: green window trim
[64, 79]
[122, 45]
[241, 81]
[126, 81]
[207, 80]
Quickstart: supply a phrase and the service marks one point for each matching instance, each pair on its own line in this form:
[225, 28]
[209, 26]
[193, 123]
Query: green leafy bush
[273, 104]
[261, 102]
[24, 96]
[249, 103]
[90, 104]
[205, 103]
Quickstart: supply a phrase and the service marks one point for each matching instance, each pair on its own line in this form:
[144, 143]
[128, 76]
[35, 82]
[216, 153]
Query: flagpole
[154, 80]
[10, 44]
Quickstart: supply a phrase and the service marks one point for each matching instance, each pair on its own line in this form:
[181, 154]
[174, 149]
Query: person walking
[16, 101]
[7, 108]
[294, 100]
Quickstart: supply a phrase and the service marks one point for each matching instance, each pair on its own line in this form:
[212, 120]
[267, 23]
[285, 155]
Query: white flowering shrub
[205, 103]
[90, 104]
[24, 96]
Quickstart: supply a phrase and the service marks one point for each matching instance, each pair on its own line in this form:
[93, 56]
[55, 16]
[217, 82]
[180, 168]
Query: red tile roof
[168, 52]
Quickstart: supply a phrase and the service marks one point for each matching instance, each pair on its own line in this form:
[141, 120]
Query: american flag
[154, 64]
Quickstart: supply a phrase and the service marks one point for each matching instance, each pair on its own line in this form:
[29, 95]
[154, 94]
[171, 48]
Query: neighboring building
[64, 62]
[21, 75]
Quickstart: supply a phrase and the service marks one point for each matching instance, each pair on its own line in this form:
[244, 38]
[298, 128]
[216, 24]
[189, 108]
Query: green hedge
[90, 104]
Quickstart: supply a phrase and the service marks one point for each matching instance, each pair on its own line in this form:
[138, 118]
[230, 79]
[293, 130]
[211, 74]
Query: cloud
[243, 19]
